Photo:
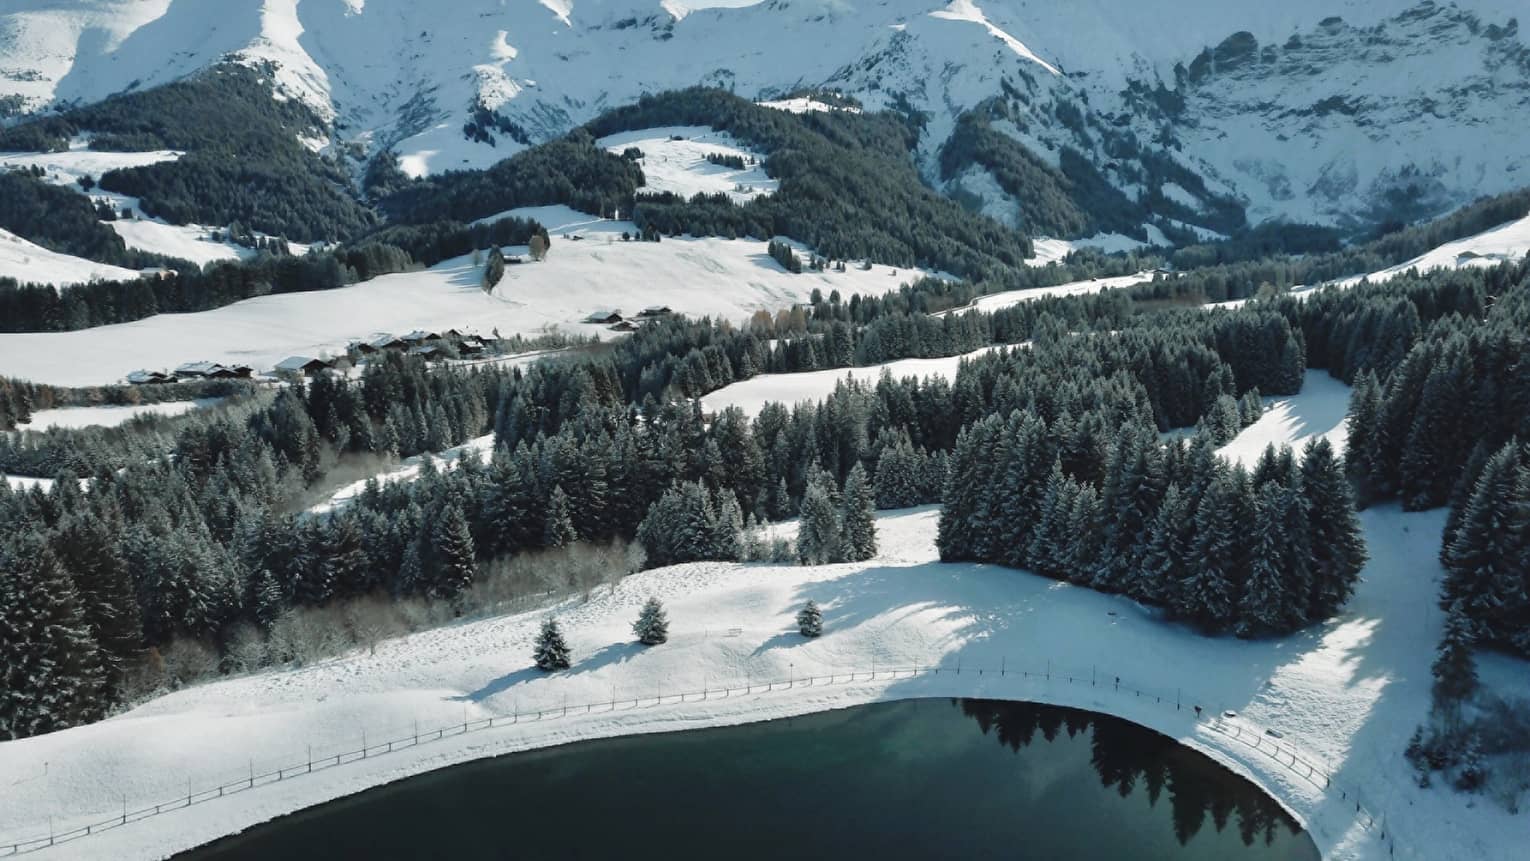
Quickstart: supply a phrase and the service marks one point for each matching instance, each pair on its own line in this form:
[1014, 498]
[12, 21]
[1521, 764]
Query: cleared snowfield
[1319, 410]
[723, 278]
[681, 166]
[408, 470]
[34, 264]
[995, 301]
[27, 482]
[66, 168]
[754, 393]
[1046, 250]
[110, 415]
[1347, 693]
[807, 105]
[181, 241]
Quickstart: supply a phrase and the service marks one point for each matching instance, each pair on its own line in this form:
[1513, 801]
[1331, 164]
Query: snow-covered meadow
[675, 160]
[727, 279]
[110, 415]
[752, 394]
[34, 264]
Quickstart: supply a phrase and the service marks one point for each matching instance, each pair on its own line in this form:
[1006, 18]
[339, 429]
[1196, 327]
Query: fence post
[1003, 665]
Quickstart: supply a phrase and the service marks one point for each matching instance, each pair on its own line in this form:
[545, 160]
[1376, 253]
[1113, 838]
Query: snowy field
[807, 105]
[181, 241]
[681, 166]
[1347, 693]
[995, 301]
[1318, 411]
[754, 393]
[110, 415]
[1046, 250]
[29, 263]
[66, 168]
[723, 278]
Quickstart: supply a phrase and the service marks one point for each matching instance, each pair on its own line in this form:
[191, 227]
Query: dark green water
[911, 779]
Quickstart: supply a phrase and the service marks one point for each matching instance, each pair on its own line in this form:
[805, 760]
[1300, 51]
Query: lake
[909, 779]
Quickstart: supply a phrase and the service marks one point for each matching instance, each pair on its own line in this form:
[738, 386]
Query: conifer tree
[1209, 594]
[1455, 671]
[551, 652]
[1486, 564]
[452, 554]
[859, 517]
[1262, 606]
[559, 530]
[1335, 539]
[50, 667]
[1163, 563]
[818, 528]
[810, 620]
[652, 625]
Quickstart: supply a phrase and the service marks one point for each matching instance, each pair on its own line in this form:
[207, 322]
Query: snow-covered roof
[297, 363]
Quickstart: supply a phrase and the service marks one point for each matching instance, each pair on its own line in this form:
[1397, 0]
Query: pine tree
[452, 554]
[551, 651]
[1484, 573]
[859, 517]
[50, 667]
[1209, 593]
[1455, 672]
[1163, 563]
[1336, 541]
[1262, 606]
[652, 625]
[810, 620]
[818, 528]
[559, 530]
[727, 542]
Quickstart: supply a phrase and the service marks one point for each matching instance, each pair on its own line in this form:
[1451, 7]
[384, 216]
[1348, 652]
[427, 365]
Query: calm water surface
[913, 779]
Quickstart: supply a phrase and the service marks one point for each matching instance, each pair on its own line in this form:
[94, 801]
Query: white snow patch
[755, 392]
[966, 10]
[995, 301]
[681, 166]
[66, 168]
[29, 263]
[807, 105]
[1317, 412]
[110, 415]
[181, 241]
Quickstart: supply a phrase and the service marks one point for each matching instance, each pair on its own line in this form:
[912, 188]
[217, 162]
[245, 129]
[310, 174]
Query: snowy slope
[1328, 126]
[1347, 693]
[408, 470]
[1508, 242]
[789, 389]
[1318, 411]
[30, 263]
[994, 301]
[723, 278]
[111, 415]
[681, 166]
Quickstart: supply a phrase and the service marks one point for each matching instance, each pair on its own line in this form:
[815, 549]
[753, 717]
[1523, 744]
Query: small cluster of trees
[837, 525]
[550, 650]
[727, 160]
[783, 254]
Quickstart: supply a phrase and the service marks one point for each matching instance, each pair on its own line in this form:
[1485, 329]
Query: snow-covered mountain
[1336, 111]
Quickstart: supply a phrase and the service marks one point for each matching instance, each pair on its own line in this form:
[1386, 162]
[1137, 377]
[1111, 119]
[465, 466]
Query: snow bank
[754, 393]
[681, 166]
[29, 263]
[1318, 411]
[1347, 693]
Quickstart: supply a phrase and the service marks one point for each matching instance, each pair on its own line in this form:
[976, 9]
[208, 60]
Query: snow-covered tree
[810, 620]
[559, 531]
[551, 652]
[859, 517]
[652, 625]
[452, 555]
[818, 528]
